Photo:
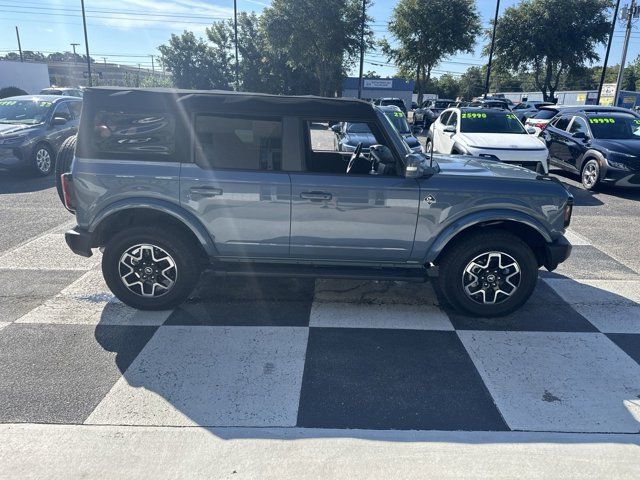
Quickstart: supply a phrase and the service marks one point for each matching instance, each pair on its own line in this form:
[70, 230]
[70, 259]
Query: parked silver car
[170, 182]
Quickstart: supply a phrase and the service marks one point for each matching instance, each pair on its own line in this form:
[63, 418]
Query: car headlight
[13, 140]
[619, 165]
[622, 154]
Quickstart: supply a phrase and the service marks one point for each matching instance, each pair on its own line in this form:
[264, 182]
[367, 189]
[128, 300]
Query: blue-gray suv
[171, 182]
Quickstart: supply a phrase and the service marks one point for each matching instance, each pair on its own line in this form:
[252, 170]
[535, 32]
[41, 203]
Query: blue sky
[129, 31]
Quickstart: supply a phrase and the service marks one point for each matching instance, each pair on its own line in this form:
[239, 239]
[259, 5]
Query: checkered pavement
[326, 353]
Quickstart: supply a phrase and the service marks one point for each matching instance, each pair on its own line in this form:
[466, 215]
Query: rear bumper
[556, 253]
[79, 241]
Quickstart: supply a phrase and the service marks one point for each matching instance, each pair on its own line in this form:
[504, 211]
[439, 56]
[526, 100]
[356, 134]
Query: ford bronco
[170, 182]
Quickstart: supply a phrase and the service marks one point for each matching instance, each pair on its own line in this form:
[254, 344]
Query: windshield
[490, 122]
[399, 121]
[545, 114]
[24, 111]
[615, 127]
[358, 128]
[396, 138]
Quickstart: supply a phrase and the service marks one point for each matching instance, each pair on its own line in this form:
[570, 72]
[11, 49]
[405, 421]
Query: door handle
[205, 192]
[315, 196]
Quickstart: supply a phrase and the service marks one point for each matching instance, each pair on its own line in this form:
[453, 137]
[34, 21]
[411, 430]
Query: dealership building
[379, 88]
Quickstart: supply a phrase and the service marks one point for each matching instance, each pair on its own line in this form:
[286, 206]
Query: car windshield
[399, 121]
[23, 111]
[358, 128]
[391, 130]
[545, 114]
[490, 122]
[618, 127]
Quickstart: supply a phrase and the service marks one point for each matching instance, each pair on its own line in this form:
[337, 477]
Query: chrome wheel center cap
[491, 278]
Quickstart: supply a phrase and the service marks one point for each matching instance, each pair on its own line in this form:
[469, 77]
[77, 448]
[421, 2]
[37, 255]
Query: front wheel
[43, 160]
[150, 268]
[488, 274]
[590, 175]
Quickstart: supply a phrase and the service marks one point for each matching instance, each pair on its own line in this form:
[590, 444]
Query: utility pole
[364, 18]
[606, 55]
[493, 42]
[235, 34]
[19, 46]
[74, 45]
[153, 72]
[104, 59]
[630, 13]
[86, 40]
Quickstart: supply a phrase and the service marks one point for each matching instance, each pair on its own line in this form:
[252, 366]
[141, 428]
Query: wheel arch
[116, 217]
[592, 154]
[528, 229]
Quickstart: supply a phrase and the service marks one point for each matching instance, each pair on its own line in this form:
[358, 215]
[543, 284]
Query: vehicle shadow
[22, 181]
[588, 198]
[242, 377]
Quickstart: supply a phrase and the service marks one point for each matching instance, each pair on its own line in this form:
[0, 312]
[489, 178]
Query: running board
[311, 271]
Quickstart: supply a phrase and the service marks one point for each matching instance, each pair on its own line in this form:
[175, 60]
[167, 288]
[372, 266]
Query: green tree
[549, 41]
[193, 63]
[472, 83]
[427, 31]
[447, 86]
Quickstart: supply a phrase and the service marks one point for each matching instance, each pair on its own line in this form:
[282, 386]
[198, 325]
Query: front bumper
[556, 253]
[536, 160]
[619, 177]
[79, 241]
[14, 157]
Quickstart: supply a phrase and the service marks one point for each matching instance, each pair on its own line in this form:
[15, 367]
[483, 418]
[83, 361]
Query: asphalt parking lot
[287, 368]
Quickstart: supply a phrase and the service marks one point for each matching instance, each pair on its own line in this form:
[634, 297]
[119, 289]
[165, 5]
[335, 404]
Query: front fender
[186, 218]
[488, 216]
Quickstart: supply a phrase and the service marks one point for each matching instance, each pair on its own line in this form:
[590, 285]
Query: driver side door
[357, 218]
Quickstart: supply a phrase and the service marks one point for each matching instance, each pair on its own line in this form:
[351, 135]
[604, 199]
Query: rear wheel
[43, 160]
[151, 268]
[63, 162]
[488, 274]
[590, 175]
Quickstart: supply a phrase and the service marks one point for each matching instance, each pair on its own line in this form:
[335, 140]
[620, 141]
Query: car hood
[13, 128]
[479, 167]
[367, 139]
[630, 146]
[501, 140]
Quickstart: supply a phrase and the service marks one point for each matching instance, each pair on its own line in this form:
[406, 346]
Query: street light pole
[493, 42]
[364, 18]
[74, 45]
[606, 55]
[627, 35]
[86, 40]
[235, 34]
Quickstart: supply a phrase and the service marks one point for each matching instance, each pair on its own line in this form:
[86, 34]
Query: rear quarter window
[133, 135]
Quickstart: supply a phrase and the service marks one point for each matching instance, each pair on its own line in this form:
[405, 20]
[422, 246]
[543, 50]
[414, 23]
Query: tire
[43, 160]
[427, 146]
[483, 249]
[185, 273]
[63, 162]
[590, 174]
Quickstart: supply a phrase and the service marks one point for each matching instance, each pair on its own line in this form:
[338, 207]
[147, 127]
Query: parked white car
[488, 133]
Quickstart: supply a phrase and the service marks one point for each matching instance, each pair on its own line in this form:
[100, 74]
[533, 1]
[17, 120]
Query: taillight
[67, 192]
[541, 126]
[568, 210]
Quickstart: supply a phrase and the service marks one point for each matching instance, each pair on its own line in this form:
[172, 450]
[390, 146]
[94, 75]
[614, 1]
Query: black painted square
[393, 379]
[586, 261]
[629, 342]
[59, 373]
[545, 311]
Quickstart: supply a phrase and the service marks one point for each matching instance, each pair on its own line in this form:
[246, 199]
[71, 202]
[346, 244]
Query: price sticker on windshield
[602, 120]
[398, 114]
[637, 122]
[511, 116]
[7, 102]
[473, 115]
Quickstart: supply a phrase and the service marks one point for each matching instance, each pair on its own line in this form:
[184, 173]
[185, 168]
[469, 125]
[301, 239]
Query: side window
[238, 143]
[579, 125]
[76, 108]
[563, 122]
[131, 136]
[453, 119]
[444, 117]
[62, 110]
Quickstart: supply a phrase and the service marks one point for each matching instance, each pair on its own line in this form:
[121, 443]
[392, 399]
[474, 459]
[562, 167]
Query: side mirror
[449, 129]
[336, 128]
[417, 129]
[416, 166]
[58, 121]
[531, 130]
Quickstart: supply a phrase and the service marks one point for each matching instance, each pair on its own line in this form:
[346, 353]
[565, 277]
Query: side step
[312, 271]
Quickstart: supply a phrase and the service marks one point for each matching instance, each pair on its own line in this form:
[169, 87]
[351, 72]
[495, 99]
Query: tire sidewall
[63, 162]
[520, 252]
[187, 267]
[34, 161]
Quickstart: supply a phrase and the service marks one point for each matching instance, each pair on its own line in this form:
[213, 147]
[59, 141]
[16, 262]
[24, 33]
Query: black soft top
[163, 99]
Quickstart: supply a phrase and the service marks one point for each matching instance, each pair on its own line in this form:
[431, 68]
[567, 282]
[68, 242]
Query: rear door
[556, 138]
[363, 218]
[237, 185]
[577, 146]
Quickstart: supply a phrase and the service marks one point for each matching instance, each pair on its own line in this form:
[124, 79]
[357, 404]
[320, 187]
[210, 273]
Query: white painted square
[565, 382]
[211, 376]
[48, 252]
[347, 315]
[4, 324]
[374, 292]
[88, 301]
[575, 238]
[612, 306]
